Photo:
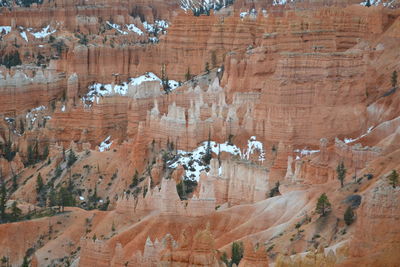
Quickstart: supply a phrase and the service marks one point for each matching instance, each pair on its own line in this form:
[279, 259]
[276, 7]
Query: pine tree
[394, 178]
[65, 198]
[30, 156]
[71, 158]
[25, 263]
[188, 76]
[39, 183]
[15, 212]
[237, 252]
[341, 172]
[40, 191]
[323, 205]
[368, 4]
[3, 199]
[394, 79]
[207, 157]
[164, 79]
[45, 152]
[14, 183]
[52, 197]
[348, 216]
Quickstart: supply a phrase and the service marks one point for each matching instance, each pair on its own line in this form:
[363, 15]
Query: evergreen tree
[12, 59]
[15, 212]
[3, 199]
[237, 253]
[135, 180]
[45, 152]
[14, 183]
[341, 172]
[368, 4]
[208, 156]
[348, 216]
[164, 79]
[71, 158]
[188, 76]
[31, 156]
[323, 205]
[40, 191]
[26, 262]
[39, 184]
[9, 153]
[394, 79]
[65, 199]
[52, 197]
[394, 178]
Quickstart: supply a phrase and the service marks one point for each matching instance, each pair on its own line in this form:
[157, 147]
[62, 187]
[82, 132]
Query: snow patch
[105, 145]
[98, 90]
[193, 161]
[252, 146]
[133, 28]
[305, 152]
[46, 31]
[377, 3]
[23, 35]
[350, 140]
[116, 27]
[4, 30]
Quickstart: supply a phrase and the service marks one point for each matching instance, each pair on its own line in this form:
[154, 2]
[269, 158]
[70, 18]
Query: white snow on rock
[116, 27]
[4, 30]
[280, 2]
[105, 145]
[159, 26]
[378, 2]
[252, 146]
[23, 35]
[350, 140]
[63, 108]
[196, 5]
[101, 90]
[153, 40]
[193, 161]
[9, 120]
[133, 28]
[33, 114]
[46, 31]
[243, 14]
[81, 198]
[305, 152]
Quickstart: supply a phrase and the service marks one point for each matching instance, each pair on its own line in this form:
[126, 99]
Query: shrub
[348, 216]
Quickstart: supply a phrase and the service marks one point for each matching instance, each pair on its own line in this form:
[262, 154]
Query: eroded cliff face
[179, 135]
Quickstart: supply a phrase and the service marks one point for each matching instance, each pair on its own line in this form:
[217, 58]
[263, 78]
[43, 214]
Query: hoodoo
[212, 133]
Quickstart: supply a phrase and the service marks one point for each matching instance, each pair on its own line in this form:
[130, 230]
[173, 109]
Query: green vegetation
[349, 216]
[188, 75]
[341, 173]
[323, 205]
[72, 158]
[394, 178]
[185, 187]
[237, 255]
[11, 59]
[394, 79]
[274, 191]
